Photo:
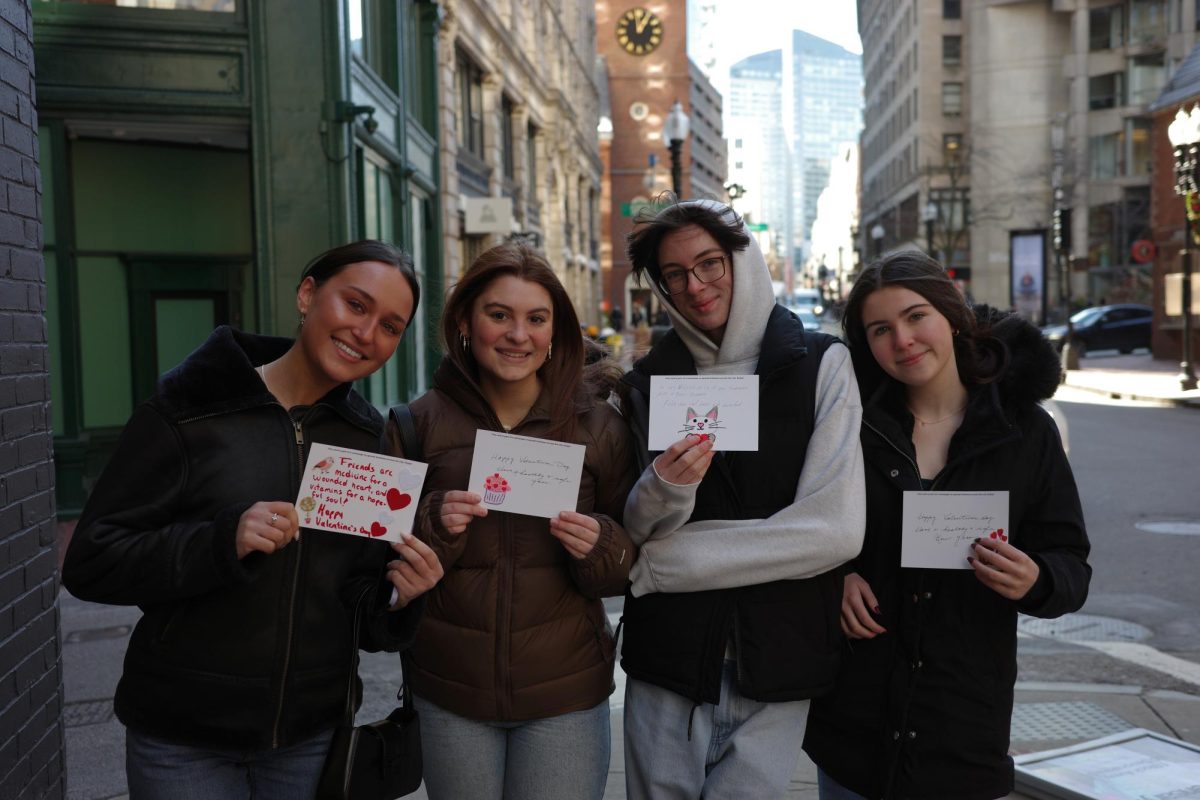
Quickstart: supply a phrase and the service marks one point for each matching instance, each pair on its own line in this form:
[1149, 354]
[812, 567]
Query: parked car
[806, 315]
[1123, 327]
[807, 299]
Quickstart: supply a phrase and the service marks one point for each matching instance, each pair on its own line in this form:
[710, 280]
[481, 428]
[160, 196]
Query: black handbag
[379, 761]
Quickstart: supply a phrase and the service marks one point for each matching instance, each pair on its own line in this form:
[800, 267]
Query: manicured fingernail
[877, 611]
[971, 560]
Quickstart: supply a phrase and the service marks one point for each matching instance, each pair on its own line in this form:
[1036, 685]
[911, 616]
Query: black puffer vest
[785, 633]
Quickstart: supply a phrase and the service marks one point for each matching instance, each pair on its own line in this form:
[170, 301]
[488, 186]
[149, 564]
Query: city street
[1131, 658]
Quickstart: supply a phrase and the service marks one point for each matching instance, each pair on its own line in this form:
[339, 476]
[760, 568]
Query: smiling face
[511, 326]
[705, 305]
[353, 321]
[909, 338]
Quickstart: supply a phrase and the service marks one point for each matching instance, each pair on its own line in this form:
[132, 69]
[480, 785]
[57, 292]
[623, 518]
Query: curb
[1121, 394]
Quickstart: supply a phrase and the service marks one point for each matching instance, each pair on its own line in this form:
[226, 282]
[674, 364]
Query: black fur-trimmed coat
[923, 711]
[251, 653]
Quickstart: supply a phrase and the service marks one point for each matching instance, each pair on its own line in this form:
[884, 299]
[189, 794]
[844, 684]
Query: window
[373, 37]
[1104, 156]
[531, 175]
[1137, 134]
[1106, 28]
[421, 63]
[951, 9]
[951, 51]
[1147, 21]
[1106, 91]
[1147, 74]
[470, 106]
[952, 99]
[506, 138]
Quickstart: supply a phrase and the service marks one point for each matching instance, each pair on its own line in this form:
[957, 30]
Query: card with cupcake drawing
[526, 475]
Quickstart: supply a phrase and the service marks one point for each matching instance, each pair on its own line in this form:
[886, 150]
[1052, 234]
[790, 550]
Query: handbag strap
[354, 656]
[403, 418]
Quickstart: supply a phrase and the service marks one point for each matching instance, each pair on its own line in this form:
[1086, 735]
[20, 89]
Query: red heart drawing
[396, 500]
[377, 529]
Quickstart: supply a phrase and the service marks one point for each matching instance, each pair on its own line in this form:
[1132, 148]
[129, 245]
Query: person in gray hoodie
[731, 619]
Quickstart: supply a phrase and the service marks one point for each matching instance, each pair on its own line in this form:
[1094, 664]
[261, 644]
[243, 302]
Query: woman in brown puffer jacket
[513, 664]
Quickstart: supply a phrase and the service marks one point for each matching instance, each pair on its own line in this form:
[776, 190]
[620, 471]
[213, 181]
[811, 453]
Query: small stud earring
[549, 350]
[465, 341]
[955, 332]
[302, 317]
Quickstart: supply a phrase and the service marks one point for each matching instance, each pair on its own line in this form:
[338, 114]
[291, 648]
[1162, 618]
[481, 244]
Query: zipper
[291, 619]
[504, 623]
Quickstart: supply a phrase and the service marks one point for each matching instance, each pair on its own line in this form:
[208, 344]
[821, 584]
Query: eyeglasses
[675, 281]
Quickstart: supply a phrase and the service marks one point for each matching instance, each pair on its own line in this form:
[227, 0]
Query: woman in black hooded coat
[923, 705]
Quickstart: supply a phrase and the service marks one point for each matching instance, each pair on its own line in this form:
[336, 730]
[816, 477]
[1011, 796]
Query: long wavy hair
[981, 357]
[564, 376]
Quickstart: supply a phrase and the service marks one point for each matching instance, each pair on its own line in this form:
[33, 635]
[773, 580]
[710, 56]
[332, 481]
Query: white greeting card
[723, 408]
[938, 528]
[525, 475]
[359, 493]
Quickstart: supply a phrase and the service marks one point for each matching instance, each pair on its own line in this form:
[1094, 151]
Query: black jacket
[786, 634]
[923, 711]
[252, 653]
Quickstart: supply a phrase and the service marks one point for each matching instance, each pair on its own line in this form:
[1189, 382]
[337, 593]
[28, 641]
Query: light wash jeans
[162, 770]
[564, 757]
[829, 789]
[739, 748]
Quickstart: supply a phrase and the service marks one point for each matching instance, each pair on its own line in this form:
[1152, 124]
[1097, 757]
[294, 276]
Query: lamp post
[675, 129]
[929, 216]
[1184, 134]
[877, 234]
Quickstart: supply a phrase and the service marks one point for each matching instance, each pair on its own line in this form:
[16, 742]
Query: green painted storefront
[194, 157]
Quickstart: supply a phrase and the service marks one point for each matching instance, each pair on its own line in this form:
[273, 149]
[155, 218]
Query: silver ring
[274, 517]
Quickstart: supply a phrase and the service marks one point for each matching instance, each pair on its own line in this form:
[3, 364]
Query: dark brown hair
[980, 356]
[650, 228]
[563, 375]
[333, 261]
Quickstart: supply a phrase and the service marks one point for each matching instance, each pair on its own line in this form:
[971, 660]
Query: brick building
[31, 731]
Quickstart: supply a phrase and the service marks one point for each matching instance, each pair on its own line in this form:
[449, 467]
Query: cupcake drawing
[494, 489]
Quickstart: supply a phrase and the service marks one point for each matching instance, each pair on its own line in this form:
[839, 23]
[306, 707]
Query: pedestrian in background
[236, 673]
[513, 664]
[923, 705]
[731, 623]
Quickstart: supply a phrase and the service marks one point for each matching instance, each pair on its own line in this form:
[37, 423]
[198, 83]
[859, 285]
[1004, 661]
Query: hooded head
[716, 289]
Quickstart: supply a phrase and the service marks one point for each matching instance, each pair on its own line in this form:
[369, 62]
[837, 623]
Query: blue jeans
[556, 758]
[738, 748]
[161, 770]
[829, 789]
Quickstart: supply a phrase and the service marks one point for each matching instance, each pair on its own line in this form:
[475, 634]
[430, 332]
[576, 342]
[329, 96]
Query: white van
[808, 298]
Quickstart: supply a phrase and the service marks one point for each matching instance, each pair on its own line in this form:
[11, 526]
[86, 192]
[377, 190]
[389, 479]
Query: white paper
[939, 528]
[359, 493]
[525, 475]
[721, 407]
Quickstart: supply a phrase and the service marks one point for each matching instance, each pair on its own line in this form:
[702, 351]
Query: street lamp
[1184, 134]
[675, 129]
[877, 234]
[929, 216]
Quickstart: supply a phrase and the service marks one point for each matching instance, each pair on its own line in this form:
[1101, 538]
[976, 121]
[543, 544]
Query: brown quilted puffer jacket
[516, 629]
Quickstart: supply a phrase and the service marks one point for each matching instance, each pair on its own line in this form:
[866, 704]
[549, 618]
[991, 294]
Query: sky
[754, 26]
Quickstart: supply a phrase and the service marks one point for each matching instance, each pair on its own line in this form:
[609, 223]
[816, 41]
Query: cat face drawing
[694, 424]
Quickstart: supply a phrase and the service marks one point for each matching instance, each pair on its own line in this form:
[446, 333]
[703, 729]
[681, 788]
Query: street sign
[488, 215]
[756, 226]
[633, 209]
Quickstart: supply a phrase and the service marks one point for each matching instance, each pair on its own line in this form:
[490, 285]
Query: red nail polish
[877, 611]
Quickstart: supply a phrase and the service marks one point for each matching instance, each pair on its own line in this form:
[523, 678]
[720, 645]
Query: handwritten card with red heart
[359, 493]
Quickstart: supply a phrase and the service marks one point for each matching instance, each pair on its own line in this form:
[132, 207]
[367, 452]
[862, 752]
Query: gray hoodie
[821, 529]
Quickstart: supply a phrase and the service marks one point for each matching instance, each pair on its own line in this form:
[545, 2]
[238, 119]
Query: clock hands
[640, 22]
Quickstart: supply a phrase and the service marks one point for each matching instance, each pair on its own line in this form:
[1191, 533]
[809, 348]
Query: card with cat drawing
[720, 408]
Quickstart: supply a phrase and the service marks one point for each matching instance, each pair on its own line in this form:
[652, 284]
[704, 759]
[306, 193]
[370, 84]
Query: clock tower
[644, 45]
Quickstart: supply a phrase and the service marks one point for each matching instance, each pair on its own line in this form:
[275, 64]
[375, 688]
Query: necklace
[927, 423]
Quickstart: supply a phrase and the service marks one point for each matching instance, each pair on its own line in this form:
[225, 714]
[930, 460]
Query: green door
[174, 304]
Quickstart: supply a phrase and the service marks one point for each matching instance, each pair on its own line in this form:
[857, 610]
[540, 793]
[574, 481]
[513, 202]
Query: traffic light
[1060, 229]
[959, 273]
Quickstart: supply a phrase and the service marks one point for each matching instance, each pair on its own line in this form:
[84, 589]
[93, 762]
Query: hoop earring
[549, 350]
[465, 341]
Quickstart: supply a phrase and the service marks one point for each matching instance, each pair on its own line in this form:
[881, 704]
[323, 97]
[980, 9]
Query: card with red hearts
[359, 493]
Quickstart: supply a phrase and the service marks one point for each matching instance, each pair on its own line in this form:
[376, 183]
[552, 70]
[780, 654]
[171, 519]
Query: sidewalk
[1137, 376]
[1046, 716]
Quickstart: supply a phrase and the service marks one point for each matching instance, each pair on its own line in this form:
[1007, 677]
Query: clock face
[639, 31]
